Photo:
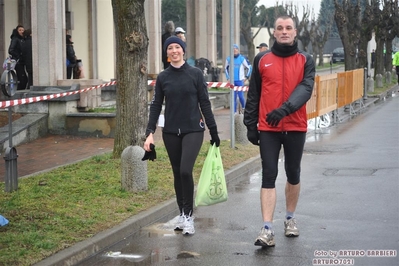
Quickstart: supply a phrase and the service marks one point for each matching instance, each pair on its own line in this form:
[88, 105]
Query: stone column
[226, 17]
[153, 18]
[190, 31]
[201, 29]
[48, 39]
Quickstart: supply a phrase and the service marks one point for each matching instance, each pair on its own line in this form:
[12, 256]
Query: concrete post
[370, 84]
[48, 39]
[378, 78]
[388, 77]
[240, 129]
[152, 10]
[134, 170]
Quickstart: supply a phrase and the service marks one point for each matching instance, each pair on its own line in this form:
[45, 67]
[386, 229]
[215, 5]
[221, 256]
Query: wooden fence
[334, 91]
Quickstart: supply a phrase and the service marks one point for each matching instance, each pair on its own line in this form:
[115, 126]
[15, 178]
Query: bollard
[134, 170]
[378, 79]
[370, 84]
[388, 77]
[240, 129]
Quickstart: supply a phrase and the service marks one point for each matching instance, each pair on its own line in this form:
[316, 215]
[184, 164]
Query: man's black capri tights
[270, 146]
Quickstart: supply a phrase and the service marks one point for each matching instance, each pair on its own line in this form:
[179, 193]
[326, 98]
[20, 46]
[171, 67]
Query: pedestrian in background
[169, 29]
[240, 76]
[372, 58]
[15, 51]
[185, 93]
[70, 55]
[179, 32]
[275, 116]
[262, 47]
[27, 57]
[395, 63]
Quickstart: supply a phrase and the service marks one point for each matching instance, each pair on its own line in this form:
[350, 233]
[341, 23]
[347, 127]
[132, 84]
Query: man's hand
[275, 116]
[253, 136]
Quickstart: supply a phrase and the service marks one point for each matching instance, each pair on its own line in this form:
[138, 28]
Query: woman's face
[21, 31]
[175, 53]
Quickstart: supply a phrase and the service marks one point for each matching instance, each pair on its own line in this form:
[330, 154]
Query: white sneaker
[265, 238]
[179, 222]
[290, 229]
[188, 227]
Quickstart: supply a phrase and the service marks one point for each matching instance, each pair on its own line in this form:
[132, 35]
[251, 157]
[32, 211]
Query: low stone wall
[99, 125]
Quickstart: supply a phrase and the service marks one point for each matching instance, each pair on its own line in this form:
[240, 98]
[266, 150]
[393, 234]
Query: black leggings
[270, 146]
[183, 151]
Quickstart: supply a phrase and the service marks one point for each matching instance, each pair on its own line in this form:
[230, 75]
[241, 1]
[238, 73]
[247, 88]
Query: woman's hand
[148, 141]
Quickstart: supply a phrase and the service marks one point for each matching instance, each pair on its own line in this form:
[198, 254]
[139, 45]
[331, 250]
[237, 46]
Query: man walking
[262, 47]
[275, 116]
[240, 76]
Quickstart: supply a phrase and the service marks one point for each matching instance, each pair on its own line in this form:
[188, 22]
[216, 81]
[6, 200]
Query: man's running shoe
[265, 238]
[290, 228]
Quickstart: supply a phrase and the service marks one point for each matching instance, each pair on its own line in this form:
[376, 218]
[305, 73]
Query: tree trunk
[347, 18]
[131, 73]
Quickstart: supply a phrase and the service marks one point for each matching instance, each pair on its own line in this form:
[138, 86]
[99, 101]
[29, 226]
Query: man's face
[236, 52]
[285, 31]
[262, 48]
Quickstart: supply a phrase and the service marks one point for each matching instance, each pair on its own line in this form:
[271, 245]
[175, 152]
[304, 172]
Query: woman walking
[186, 99]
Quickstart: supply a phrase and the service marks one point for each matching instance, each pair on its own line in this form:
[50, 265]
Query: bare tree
[302, 25]
[392, 31]
[249, 11]
[368, 23]
[319, 37]
[131, 73]
[387, 17]
[347, 18]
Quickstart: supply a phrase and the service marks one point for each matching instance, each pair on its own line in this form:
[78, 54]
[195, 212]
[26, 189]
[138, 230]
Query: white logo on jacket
[267, 65]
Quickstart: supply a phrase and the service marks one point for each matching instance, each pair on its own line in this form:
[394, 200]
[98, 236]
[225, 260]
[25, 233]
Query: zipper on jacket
[179, 132]
[282, 89]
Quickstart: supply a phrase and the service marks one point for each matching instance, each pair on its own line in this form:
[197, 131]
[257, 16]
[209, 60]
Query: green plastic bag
[211, 187]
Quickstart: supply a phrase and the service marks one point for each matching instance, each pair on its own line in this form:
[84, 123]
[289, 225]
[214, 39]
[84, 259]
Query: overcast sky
[299, 3]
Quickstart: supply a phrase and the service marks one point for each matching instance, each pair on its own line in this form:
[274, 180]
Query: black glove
[253, 136]
[214, 136]
[150, 155]
[275, 116]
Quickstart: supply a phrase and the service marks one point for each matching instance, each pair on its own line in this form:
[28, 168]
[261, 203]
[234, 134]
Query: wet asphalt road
[349, 205]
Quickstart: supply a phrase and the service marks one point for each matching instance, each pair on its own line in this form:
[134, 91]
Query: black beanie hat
[174, 39]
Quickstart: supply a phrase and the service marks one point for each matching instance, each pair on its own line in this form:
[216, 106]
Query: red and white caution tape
[214, 85]
[5, 104]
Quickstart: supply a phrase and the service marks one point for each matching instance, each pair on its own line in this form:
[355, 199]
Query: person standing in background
[15, 51]
[27, 56]
[262, 47]
[179, 32]
[395, 63]
[372, 58]
[240, 64]
[70, 55]
[169, 30]
[275, 115]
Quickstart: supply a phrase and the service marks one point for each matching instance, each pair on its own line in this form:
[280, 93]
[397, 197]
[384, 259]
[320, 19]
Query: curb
[159, 213]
